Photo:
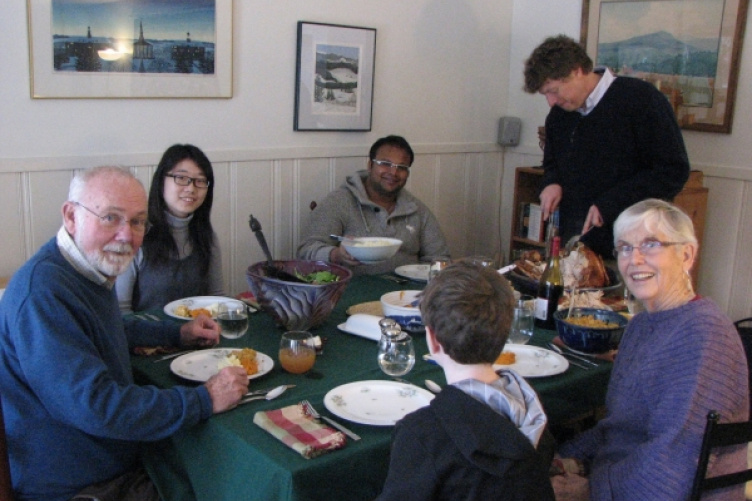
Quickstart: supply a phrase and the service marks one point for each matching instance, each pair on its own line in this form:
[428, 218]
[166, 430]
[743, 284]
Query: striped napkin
[300, 432]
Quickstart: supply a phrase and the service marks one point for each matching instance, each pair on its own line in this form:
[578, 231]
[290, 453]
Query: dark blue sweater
[72, 413]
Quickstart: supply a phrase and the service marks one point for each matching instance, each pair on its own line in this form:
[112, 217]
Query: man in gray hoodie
[374, 203]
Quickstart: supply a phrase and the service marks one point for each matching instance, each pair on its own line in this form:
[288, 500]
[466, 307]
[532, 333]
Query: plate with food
[531, 361]
[376, 402]
[200, 365]
[581, 267]
[190, 307]
[417, 272]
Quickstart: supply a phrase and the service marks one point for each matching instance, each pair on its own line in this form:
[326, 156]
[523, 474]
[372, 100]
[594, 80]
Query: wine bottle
[550, 289]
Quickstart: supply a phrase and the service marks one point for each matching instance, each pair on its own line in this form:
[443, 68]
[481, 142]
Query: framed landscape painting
[334, 77]
[130, 49]
[689, 49]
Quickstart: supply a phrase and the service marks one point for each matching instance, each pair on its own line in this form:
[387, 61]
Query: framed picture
[690, 50]
[334, 77]
[127, 49]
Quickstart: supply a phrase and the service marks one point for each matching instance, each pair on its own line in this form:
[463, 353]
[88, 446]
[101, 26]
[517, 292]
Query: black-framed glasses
[391, 165]
[113, 221]
[647, 248]
[198, 182]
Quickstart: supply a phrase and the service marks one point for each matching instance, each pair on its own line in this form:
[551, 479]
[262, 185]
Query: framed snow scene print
[334, 77]
[130, 49]
[689, 49]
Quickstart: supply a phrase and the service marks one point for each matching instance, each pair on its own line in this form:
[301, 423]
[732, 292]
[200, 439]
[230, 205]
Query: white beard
[112, 260]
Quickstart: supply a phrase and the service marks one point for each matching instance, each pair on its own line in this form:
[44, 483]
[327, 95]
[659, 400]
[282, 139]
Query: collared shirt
[75, 257]
[600, 90]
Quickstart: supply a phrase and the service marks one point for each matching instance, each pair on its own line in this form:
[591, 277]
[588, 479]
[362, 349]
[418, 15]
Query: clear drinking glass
[297, 353]
[634, 305]
[436, 266]
[232, 317]
[523, 320]
[396, 354]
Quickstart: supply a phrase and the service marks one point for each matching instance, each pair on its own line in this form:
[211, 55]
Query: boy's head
[469, 309]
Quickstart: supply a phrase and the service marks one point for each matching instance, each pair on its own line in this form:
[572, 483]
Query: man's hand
[339, 255]
[201, 331]
[570, 487]
[549, 199]
[593, 218]
[226, 388]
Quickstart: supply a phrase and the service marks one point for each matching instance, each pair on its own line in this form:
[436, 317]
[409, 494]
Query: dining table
[228, 457]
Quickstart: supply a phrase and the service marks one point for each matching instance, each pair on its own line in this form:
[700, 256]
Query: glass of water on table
[523, 321]
[232, 317]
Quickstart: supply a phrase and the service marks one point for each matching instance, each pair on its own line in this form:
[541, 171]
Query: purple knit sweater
[672, 368]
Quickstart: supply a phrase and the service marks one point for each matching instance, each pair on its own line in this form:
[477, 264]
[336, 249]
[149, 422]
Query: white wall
[726, 271]
[440, 78]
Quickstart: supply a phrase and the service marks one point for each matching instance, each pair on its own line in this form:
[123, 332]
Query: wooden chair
[6, 487]
[720, 435]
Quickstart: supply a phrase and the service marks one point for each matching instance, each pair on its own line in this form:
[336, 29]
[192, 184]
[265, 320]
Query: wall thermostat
[509, 131]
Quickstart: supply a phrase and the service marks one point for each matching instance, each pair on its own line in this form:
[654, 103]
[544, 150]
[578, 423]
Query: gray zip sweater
[348, 211]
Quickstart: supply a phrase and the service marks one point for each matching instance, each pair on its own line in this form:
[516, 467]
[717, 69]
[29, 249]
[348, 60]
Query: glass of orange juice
[296, 351]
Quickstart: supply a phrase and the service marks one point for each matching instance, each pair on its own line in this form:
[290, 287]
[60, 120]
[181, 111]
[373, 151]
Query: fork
[310, 410]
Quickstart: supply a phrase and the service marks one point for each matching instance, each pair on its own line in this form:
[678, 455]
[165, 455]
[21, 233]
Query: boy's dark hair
[396, 141]
[554, 59]
[469, 308]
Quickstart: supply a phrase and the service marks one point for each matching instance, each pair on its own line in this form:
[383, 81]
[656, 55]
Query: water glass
[297, 352]
[396, 354]
[232, 317]
[436, 266]
[633, 304]
[485, 261]
[523, 320]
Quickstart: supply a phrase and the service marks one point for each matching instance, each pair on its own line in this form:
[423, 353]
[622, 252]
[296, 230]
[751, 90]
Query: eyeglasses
[198, 182]
[647, 248]
[114, 221]
[390, 165]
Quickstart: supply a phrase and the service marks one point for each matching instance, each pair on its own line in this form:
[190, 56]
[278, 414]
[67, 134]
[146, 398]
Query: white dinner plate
[532, 361]
[196, 302]
[418, 272]
[200, 365]
[378, 403]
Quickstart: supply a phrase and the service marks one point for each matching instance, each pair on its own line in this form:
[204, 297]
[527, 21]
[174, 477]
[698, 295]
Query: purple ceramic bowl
[297, 306]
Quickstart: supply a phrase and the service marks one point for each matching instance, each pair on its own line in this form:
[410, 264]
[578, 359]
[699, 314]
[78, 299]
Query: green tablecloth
[230, 458]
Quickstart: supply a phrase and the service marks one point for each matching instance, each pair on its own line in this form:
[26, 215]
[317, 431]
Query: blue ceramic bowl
[402, 306]
[297, 306]
[590, 339]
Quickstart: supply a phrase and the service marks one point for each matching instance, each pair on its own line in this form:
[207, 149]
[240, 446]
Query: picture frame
[126, 49]
[690, 49]
[334, 77]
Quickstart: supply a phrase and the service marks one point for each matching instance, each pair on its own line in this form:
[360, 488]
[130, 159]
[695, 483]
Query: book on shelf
[536, 229]
[524, 220]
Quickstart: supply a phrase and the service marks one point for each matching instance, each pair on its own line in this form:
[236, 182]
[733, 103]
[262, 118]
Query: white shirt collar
[600, 90]
[76, 258]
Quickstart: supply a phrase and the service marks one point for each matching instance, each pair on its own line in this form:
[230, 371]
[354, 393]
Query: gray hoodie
[348, 211]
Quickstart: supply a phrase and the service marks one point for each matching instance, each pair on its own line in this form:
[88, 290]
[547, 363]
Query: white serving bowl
[372, 249]
[397, 305]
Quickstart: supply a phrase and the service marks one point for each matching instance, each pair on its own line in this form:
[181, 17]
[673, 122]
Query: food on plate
[183, 310]
[245, 358]
[506, 358]
[318, 277]
[581, 267]
[591, 321]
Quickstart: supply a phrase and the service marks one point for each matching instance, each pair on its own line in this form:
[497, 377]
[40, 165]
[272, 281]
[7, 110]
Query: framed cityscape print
[690, 50]
[128, 49]
[334, 77]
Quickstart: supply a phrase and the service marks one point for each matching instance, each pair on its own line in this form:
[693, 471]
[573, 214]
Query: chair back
[720, 435]
[744, 327]
[6, 487]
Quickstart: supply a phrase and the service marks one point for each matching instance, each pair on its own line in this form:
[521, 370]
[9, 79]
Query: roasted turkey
[581, 267]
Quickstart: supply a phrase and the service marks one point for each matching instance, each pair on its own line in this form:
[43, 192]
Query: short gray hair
[657, 216]
[82, 178]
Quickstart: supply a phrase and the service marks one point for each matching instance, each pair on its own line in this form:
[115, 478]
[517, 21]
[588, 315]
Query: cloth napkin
[300, 432]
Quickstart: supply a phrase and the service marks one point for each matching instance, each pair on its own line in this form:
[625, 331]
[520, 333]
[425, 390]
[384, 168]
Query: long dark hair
[159, 246]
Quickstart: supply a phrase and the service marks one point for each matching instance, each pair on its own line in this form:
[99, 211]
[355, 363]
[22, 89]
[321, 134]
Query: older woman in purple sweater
[678, 359]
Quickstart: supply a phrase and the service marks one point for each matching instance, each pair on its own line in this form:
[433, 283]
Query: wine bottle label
[541, 308]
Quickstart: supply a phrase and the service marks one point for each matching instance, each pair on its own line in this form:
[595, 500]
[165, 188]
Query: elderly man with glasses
[74, 418]
[374, 203]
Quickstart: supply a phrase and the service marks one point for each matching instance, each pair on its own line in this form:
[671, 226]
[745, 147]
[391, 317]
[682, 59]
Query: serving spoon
[270, 267]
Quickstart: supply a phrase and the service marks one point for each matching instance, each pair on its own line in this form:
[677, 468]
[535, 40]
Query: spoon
[269, 396]
[340, 238]
[435, 388]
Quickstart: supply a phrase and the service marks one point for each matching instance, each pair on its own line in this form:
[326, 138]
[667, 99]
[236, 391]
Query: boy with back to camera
[484, 436]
